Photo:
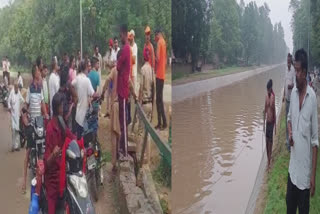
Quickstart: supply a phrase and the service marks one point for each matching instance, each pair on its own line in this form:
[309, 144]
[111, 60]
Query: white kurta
[14, 102]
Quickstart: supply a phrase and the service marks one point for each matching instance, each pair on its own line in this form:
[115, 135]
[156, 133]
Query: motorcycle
[77, 195]
[22, 127]
[93, 150]
[4, 95]
[76, 198]
[38, 137]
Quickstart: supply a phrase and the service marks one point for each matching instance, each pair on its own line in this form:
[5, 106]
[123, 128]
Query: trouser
[297, 198]
[15, 139]
[159, 100]
[108, 100]
[79, 131]
[147, 108]
[123, 145]
[128, 111]
[73, 120]
[114, 147]
[6, 73]
[287, 135]
[55, 205]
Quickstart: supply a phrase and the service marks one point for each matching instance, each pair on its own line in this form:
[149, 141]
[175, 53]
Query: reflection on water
[218, 145]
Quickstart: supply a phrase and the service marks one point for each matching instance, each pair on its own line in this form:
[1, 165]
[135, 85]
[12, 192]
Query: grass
[20, 68]
[106, 156]
[164, 206]
[277, 178]
[162, 174]
[184, 75]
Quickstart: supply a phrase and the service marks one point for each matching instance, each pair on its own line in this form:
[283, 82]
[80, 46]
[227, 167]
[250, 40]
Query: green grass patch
[22, 69]
[162, 174]
[164, 206]
[106, 156]
[278, 177]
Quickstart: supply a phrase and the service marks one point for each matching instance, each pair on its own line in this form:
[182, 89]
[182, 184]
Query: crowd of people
[301, 131]
[71, 85]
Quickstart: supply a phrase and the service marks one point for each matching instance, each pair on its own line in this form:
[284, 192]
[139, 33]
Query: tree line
[225, 33]
[29, 28]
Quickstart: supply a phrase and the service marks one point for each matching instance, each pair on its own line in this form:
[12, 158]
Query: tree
[48, 28]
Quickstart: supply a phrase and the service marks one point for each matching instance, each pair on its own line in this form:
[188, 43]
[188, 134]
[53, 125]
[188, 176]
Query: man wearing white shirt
[134, 49]
[288, 86]
[303, 138]
[84, 91]
[14, 101]
[54, 82]
[115, 49]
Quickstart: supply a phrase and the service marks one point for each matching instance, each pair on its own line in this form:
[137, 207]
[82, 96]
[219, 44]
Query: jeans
[123, 144]
[79, 131]
[159, 100]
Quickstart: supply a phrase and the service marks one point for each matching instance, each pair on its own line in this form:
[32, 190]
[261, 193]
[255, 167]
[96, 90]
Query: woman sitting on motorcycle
[55, 137]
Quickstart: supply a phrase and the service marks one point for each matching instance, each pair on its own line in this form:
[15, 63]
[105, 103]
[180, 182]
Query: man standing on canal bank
[288, 86]
[303, 138]
[270, 112]
[161, 63]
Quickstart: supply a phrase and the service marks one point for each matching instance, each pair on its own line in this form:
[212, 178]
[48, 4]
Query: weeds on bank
[106, 156]
[162, 174]
[164, 205]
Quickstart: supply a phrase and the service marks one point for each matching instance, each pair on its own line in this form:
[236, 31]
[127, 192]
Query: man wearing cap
[107, 59]
[146, 91]
[161, 61]
[115, 49]
[134, 49]
[149, 45]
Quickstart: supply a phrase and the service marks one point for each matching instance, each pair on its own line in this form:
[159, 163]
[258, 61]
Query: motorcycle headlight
[80, 185]
[39, 132]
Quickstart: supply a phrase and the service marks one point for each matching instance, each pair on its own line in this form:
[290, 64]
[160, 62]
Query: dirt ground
[261, 200]
[104, 137]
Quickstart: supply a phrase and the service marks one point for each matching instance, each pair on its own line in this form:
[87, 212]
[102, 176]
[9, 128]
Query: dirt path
[11, 199]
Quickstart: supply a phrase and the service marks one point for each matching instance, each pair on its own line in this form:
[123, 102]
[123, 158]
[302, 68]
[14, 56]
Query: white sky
[279, 12]
[3, 3]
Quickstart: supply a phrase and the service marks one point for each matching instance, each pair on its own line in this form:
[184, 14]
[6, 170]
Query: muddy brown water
[218, 145]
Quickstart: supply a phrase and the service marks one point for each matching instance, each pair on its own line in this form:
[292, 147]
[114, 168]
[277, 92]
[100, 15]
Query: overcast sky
[3, 3]
[279, 12]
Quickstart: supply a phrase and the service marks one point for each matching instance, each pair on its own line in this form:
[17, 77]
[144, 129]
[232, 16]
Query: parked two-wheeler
[93, 151]
[38, 138]
[4, 94]
[76, 198]
[23, 120]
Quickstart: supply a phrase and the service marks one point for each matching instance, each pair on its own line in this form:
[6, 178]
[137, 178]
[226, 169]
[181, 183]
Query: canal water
[218, 145]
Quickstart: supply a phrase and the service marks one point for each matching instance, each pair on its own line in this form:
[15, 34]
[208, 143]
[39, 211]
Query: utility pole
[309, 28]
[81, 28]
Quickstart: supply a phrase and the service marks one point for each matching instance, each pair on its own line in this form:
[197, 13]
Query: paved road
[192, 89]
